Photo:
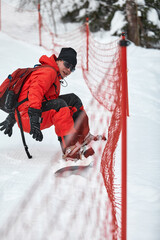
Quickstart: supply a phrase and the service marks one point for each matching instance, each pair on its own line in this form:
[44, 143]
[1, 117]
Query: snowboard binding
[77, 151]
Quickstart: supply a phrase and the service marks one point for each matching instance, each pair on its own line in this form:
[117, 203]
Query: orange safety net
[104, 81]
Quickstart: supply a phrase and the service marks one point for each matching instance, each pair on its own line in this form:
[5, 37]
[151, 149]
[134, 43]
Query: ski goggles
[69, 65]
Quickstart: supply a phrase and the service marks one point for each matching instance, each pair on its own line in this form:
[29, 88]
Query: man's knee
[72, 100]
[55, 104]
[77, 100]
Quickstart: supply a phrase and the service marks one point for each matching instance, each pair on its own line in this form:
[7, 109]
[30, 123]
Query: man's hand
[35, 120]
[8, 124]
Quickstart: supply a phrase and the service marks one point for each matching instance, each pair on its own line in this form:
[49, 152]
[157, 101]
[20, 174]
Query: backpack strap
[19, 103]
[22, 134]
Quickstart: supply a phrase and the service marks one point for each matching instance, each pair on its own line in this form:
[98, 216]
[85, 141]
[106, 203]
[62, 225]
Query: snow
[153, 17]
[140, 2]
[118, 22]
[143, 143]
[17, 173]
[120, 3]
[93, 5]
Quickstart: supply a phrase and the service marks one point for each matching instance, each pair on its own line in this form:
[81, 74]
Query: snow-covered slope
[143, 144]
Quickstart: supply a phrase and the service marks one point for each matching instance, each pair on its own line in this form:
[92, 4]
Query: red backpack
[12, 86]
[9, 93]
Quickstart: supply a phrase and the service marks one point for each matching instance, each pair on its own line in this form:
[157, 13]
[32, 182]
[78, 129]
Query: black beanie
[69, 55]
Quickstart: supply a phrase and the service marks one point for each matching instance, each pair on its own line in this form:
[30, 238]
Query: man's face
[64, 71]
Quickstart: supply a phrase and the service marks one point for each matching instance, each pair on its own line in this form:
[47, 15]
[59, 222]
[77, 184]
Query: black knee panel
[55, 104]
[72, 100]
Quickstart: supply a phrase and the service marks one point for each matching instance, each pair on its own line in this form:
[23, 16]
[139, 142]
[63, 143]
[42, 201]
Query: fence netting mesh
[84, 207]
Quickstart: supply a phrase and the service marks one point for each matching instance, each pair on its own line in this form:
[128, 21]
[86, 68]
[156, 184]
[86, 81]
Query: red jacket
[43, 82]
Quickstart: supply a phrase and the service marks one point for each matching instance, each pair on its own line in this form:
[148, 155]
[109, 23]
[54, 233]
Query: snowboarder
[46, 107]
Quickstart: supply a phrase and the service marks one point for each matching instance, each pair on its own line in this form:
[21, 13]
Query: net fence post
[125, 111]
[39, 22]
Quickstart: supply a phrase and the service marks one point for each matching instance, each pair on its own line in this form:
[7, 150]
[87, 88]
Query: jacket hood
[51, 61]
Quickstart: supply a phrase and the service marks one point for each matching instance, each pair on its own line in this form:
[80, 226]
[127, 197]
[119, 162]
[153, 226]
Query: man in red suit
[45, 106]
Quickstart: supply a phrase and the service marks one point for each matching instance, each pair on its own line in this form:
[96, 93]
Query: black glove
[35, 120]
[8, 124]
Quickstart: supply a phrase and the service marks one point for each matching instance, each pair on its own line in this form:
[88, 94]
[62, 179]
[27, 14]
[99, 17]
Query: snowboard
[76, 167]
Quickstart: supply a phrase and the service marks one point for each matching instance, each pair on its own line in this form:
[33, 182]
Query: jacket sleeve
[40, 83]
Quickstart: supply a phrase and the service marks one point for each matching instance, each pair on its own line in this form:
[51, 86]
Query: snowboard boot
[70, 147]
[77, 148]
[73, 153]
[80, 149]
[77, 151]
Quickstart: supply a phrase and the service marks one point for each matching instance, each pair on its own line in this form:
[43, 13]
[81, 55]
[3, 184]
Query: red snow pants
[66, 113]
